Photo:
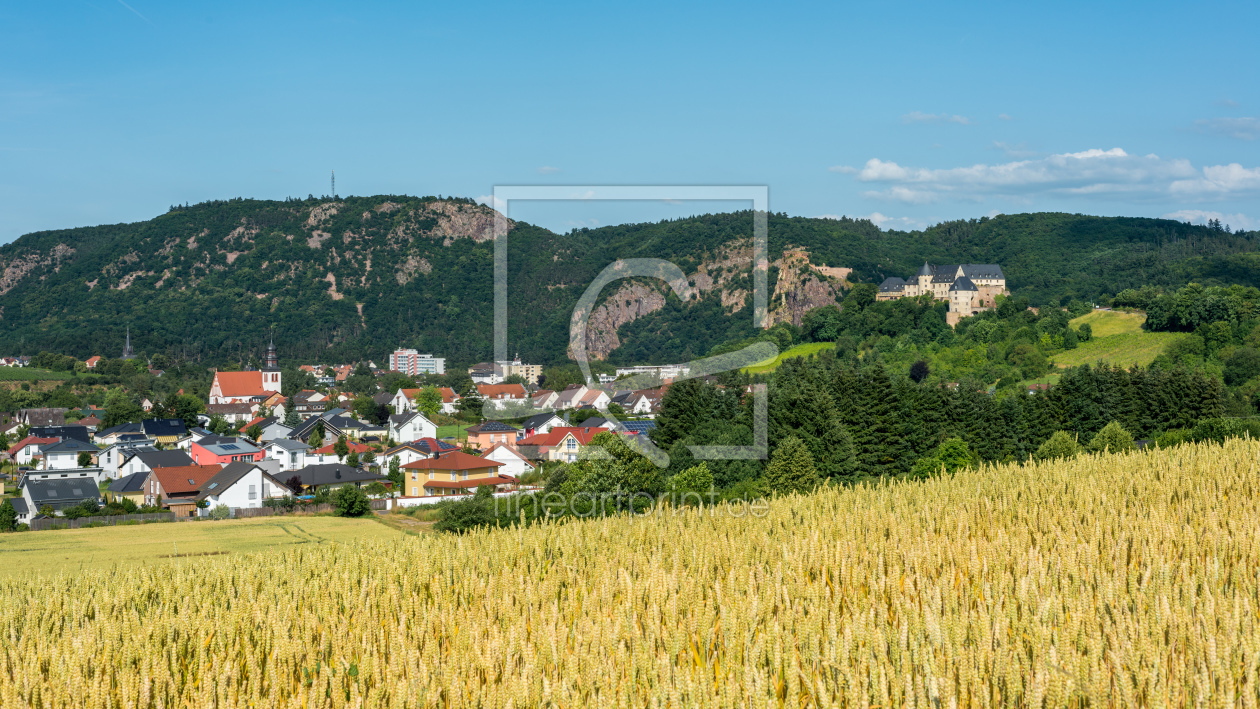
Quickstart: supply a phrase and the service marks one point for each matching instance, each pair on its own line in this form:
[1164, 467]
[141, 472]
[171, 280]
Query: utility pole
[334, 184]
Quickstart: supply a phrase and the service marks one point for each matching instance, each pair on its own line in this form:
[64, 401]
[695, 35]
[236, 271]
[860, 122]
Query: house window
[465, 474]
[252, 493]
[453, 478]
[571, 444]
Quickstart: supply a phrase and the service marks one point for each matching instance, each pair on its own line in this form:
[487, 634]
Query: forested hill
[356, 277]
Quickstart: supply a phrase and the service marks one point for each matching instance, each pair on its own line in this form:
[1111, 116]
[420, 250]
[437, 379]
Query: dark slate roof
[332, 474]
[537, 420]
[164, 427]
[925, 271]
[596, 422]
[963, 283]
[164, 459]
[131, 438]
[892, 283]
[492, 427]
[129, 483]
[305, 428]
[78, 433]
[400, 419]
[19, 505]
[983, 270]
[225, 478]
[383, 397]
[287, 444]
[945, 274]
[58, 492]
[69, 445]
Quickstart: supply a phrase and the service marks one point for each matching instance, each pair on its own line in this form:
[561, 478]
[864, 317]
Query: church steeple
[128, 353]
[270, 360]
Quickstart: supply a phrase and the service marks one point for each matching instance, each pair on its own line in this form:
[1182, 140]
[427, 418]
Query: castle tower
[271, 368]
[128, 353]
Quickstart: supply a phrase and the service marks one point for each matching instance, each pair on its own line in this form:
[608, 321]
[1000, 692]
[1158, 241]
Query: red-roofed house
[92, 361]
[24, 450]
[450, 473]
[405, 400]
[561, 443]
[177, 486]
[328, 455]
[500, 395]
[243, 387]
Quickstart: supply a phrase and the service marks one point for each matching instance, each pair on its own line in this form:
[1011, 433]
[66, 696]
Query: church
[248, 387]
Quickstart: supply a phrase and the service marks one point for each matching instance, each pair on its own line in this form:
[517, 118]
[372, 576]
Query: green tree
[1060, 445]
[691, 485]
[85, 459]
[395, 474]
[8, 517]
[220, 512]
[951, 455]
[317, 435]
[469, 405]
[368, 458]
[254, 432]
[469, 513]
[350, 501]
[791, 469]
[365, 408]
[376, 489]
[352, 460]
[341, 448]
[291, 418]
[429, 401]
[1113, 438]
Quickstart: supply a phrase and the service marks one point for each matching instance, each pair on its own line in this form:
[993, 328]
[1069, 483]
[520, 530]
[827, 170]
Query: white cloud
[880, 220]
[1005, 117]
[1089, 172]
[1199, 216]
[1227, 103]
[1245, 128]
[843, 168]
[487, 198]
[921, 117]
[548, 170]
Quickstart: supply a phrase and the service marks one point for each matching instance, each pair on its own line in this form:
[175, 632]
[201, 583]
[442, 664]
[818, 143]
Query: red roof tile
[455, 460]
[240, 383]
[174, 479]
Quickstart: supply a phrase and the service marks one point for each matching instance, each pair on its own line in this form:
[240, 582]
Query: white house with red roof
[514, 463]
[562, 443]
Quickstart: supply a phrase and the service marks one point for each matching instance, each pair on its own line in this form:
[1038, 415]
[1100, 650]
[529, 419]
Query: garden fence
[39, 525]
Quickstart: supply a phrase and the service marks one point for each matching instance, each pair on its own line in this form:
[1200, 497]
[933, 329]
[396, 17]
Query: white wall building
[412, 363]
[240, 486]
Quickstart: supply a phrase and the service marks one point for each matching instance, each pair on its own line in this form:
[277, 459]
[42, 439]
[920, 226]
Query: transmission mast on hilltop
[334, 184]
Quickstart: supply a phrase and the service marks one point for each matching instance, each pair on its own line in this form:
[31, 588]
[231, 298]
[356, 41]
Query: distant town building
[662, 371]
[412, 363]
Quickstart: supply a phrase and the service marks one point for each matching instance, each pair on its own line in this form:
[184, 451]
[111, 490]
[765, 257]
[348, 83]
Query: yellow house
[450, 474]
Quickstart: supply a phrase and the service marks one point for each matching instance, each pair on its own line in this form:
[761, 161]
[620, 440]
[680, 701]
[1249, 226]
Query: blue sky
[910, 113]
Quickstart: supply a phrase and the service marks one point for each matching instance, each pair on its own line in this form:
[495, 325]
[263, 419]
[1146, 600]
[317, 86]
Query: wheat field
[1126, 580]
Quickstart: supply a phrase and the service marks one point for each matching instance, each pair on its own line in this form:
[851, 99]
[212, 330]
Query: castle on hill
[969, 288]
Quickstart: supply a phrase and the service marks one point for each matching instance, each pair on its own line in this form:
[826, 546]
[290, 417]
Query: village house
[512, 462]
[42, 417]
[486, 434]
[404, 400]
[290, 454]
[545, 399]
[562, 443]
[177, 487]
[137, 459]
[326, 454]
[968, 288]
[240, 486]
[308, 401]
[500, 396]
[56, 490]
[25, 451]
[334, 475]
[64, 454]
[450, 473]
[410, 426]
[222, 450]
[130, 487]
[416, 450]
[540, 423]
[271, 427]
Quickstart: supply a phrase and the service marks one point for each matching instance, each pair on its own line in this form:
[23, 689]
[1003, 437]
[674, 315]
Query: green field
[452, 431]
[70, 550]
[803, 350]
[1118, 339]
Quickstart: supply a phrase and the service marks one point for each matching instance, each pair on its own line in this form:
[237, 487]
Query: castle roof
[963, 283]
[892, 283]
[945, 274]
[925, 271]
[983, 270]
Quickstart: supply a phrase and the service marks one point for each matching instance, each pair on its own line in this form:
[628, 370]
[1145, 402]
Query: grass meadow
[1129, 579]
[1117, 340]
[802, 350]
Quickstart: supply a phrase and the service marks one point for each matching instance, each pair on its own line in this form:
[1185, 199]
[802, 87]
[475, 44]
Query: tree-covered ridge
[353, 278]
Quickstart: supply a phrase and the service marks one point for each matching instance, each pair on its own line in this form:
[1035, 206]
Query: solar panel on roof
[229, 446]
